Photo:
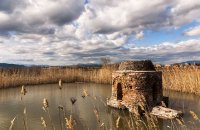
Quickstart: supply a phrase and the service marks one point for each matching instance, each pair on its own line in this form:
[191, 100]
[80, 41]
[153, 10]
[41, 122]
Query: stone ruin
[136, 83]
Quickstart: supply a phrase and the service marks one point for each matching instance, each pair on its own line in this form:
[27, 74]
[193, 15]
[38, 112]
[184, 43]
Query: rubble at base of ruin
[135, 86]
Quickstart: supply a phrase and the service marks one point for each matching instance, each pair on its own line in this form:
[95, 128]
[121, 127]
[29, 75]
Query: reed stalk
[46, 109]
[12, 123]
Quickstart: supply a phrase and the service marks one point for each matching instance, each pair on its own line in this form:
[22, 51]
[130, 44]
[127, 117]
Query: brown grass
[37, 75]
[182, 78]
[179, 78]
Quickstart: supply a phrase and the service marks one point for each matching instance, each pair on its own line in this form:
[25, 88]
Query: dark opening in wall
[119, 91]
[154, 92]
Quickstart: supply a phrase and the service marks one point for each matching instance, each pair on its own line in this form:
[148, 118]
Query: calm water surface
[83, 110]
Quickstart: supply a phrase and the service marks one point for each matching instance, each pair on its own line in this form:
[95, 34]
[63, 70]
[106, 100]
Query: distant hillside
[89, 65]
[5, 65]
[194, 62]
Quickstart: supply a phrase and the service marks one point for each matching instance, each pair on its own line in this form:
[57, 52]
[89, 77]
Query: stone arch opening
[155, 93]
[119, 91]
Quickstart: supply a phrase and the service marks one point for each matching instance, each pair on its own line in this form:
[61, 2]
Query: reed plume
[45, 103]
[60, 84]
[12, 123]
[45, 108]
[23, 90]
[117, 122]
[85, 93]
[43, 123]
[195, 116]
[69, 123]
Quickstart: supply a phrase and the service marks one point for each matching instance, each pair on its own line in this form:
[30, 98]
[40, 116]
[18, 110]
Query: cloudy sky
[65, 32]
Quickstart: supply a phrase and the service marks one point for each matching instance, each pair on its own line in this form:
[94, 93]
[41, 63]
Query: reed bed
[37, 75]
[178, 78]
[182, 78]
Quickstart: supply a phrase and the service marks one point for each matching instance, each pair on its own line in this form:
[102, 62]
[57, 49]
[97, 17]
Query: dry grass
[36, 75]
[179, 78]
[182, 78]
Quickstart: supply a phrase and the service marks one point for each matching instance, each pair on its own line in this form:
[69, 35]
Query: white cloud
[184, 11]
[132, 17]
[126, 16]
[139, 35]
[54, 51]
[195, 31]
[68, 32]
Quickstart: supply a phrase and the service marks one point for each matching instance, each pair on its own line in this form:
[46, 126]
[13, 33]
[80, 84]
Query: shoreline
[182, 79]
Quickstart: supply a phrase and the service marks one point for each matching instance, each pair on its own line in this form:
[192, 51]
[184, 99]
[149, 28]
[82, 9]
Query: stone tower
[136, 83]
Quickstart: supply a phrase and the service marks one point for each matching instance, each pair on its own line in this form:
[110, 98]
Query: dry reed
[46, 109]
[12, 123]
[182, 78]
[43, 123]
[69, 123]
[37, 75]
[179, 78]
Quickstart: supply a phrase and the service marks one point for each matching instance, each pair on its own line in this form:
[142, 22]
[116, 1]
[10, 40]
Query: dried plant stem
[24, 123]
[12, 123]
[48, 113]
[60, 120]
[25, 119]
[23, 93]
[43, 123]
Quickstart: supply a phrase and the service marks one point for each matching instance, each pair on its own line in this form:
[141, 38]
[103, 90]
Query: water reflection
[82, 110]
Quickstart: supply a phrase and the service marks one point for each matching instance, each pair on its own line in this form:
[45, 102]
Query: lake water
[82, 111]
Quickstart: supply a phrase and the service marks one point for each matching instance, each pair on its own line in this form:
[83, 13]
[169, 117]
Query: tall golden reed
[182, 78]
[179, 78]
[36, 75]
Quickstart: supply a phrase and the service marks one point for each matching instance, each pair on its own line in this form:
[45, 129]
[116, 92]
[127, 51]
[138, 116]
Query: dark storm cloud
[39, 17]
[49, 53]
[26, 60]
[96, 54]
[63, 15]
[9, 6]
[17, 25]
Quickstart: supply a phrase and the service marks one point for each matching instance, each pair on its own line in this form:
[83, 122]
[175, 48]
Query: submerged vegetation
[179, 78]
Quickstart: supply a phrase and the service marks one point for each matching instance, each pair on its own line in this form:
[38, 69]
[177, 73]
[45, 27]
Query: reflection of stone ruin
[136, 83]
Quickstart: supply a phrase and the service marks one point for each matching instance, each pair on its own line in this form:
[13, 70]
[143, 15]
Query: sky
[68, 32]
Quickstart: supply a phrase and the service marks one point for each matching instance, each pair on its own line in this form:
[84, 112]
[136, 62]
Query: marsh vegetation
[79, 105]
[178, 78]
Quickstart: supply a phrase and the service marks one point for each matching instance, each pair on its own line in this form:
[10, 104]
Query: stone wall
[137, 87]
[145, 65]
